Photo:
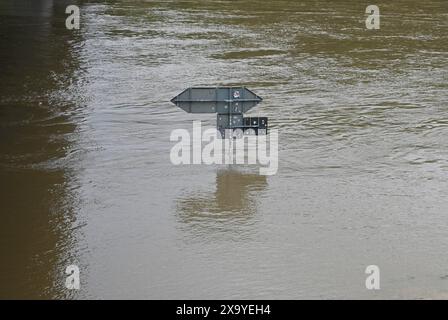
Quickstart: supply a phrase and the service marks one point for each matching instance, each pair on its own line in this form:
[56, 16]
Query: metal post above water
[229, 103]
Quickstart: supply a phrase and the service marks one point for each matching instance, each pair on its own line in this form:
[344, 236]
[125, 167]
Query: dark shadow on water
[38, 192]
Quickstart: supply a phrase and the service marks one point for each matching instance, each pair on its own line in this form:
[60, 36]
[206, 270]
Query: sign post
[229, 103]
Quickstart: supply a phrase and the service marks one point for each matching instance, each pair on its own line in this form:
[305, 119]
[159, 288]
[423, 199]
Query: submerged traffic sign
[228, 102]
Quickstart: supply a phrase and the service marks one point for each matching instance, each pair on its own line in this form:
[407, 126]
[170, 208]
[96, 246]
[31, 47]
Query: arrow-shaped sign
[221, 100]
[228, 102]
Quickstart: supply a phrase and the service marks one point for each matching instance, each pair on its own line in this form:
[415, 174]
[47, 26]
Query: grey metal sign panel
[229, 120]
[220, 100]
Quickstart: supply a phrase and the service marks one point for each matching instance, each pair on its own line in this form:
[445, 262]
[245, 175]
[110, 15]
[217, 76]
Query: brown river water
[85, 171]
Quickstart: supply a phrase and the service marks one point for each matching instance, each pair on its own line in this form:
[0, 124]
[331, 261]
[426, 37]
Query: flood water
[86, 177]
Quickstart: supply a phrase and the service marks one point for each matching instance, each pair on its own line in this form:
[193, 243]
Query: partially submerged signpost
[229, 103]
